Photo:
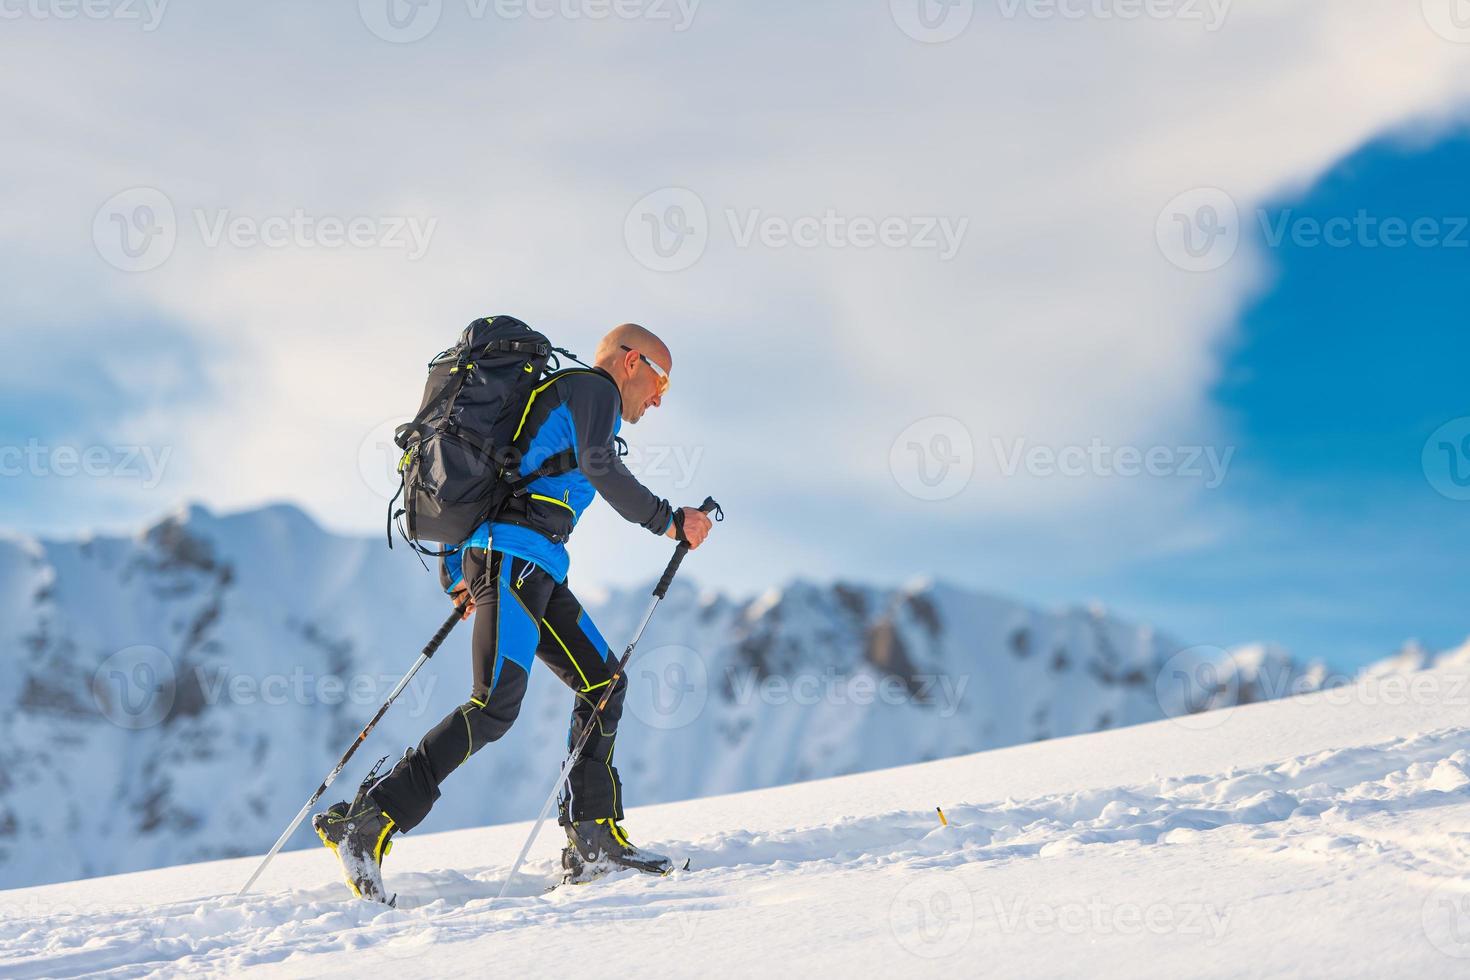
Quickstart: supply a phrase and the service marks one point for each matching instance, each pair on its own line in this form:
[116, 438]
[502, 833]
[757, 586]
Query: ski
[612, 871]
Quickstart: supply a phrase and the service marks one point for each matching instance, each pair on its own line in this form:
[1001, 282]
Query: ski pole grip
[662, 588]
[444, 631]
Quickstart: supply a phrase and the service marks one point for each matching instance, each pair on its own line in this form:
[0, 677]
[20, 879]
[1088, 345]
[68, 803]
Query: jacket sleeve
[595, 405]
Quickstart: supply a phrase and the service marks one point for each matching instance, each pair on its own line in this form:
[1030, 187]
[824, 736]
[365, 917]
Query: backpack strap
[503, 346]
[550, 380]
[562, 462]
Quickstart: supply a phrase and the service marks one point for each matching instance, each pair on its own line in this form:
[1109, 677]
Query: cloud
[1057, 142]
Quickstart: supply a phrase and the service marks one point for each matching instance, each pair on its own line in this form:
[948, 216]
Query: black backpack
[459, 465]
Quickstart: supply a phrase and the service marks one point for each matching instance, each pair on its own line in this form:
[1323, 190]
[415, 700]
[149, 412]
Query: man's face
[642, 388]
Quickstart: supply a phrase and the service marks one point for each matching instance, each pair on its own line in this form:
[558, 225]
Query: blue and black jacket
[580, 411]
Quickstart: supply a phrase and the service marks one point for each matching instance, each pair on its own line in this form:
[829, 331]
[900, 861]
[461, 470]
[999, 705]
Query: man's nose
[657, 400]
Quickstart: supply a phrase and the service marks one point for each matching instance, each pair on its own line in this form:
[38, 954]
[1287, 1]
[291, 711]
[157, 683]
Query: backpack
[459, 465]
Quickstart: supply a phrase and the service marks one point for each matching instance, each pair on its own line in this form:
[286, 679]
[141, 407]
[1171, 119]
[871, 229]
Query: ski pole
[659, 591]
[429, 651]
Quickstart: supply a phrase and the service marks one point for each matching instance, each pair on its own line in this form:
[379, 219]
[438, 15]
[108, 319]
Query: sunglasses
[660, 373]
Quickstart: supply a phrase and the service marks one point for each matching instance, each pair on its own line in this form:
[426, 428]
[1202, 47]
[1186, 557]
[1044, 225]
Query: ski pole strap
[662, 588]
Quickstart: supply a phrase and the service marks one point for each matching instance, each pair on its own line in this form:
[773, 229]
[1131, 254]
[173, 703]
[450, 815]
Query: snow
[1323, 835]
[269, 641]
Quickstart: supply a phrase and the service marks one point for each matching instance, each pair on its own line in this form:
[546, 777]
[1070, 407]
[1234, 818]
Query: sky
[1048, 301]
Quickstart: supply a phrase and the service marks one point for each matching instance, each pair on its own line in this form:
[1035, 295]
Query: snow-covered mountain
[176, 695]
[1312, 837]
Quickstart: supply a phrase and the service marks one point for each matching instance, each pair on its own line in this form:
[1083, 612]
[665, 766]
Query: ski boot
[360, 834]
[599, 847]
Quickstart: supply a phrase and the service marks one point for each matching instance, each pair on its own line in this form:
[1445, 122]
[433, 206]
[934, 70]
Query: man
[511, 576]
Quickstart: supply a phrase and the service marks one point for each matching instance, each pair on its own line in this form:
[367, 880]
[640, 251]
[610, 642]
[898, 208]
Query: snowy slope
[172, 697]
[1326, 835]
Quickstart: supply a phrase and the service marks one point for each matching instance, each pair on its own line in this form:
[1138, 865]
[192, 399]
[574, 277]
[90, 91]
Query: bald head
[641, 339]
[641, 387]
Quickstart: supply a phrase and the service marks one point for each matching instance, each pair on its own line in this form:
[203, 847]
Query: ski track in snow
[1333, 804]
